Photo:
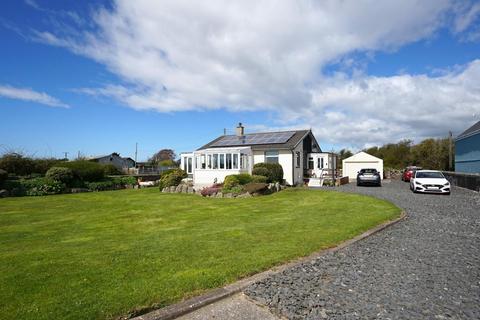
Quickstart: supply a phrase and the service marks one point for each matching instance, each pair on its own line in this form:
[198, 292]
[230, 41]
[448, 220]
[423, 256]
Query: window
[185, 164]
[202, 161]
[311, 163]
[209, 161]
[271, 156]
[235, 161]
[229, 160]
[189, 166]
[298, 159]
[320, 163]
[215, 161]
[222, 161]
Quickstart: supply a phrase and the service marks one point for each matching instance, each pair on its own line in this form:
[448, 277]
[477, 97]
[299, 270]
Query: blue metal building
[467, 150]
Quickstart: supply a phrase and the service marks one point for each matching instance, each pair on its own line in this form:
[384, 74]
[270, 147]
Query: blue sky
[97, 77]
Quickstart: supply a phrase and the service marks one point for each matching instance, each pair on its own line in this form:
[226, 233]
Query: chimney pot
[240, 130]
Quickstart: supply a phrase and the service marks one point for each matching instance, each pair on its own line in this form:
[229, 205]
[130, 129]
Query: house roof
[470, 131]
[278, 140]
[362, 156]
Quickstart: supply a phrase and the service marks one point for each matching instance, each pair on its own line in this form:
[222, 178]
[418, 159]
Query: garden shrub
[259, 179]
[127, 180]
[260, 171]
[14, 187]
[104, 185]
[244, 178]
[275, 171]
[236, 189]
[212, 190]
[255, 187]
[172, 178]
[85, 170]
[43, 165]
[111, 170]
[3, 176]
[17, 164]
[61, 174]
[231, 181]
[41, 186]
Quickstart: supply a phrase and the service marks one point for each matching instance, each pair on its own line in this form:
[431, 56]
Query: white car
[429, 181]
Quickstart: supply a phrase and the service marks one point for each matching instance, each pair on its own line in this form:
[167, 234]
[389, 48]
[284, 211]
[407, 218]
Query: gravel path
[425, 267]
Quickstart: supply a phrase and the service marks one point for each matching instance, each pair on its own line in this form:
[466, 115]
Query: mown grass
[102, 255]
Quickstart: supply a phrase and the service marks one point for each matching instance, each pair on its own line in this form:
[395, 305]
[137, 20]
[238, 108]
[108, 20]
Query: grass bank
[101, 255]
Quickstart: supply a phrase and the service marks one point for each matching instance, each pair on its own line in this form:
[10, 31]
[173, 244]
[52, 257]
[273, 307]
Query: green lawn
[101, 255]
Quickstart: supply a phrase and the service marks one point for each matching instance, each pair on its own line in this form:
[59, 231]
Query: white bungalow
[297, 151]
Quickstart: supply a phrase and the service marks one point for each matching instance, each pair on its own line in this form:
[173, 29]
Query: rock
[190, 189]
[228, 195]
[172, 189]
[78, 190]
[4, 193]
[277, 187]
[184, 188]
[178, 189]
[244, 195]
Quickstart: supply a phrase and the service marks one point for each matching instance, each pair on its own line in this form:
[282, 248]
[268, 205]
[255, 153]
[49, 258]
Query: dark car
[409, 172]
[369, 177]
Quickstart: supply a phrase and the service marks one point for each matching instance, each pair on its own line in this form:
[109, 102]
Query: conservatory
[208, 166]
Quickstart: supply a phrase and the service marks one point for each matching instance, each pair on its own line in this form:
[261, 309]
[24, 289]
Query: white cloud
[269, 55]
[27, 94]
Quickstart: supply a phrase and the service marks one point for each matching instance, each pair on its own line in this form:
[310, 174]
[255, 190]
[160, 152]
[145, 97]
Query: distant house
[114, 159]
[298, 152]
[467, 150]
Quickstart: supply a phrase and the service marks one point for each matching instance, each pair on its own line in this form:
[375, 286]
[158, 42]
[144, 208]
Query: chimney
[240, 130]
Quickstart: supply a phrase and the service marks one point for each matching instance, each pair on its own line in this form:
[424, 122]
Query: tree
[162, 155]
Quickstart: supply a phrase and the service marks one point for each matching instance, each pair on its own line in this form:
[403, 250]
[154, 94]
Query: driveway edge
[192, 304]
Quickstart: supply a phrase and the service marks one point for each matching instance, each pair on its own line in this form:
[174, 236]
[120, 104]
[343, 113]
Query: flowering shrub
[212, 190]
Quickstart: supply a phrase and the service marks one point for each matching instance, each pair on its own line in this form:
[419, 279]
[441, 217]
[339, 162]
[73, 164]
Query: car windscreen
[368, 171]
[434, 175]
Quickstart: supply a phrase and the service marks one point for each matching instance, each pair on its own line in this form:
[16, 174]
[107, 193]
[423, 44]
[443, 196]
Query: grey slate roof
[470, 131]
[290, 144]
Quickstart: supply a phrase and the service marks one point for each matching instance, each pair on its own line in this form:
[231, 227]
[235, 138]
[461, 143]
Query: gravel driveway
[425, 267]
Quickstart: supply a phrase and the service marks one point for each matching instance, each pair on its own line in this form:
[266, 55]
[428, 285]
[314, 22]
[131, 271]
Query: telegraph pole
[450, 151]
[136, 152]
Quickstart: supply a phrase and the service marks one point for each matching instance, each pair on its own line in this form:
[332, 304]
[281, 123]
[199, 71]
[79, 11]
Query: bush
[172, 178]
[244, 178]
[3, 176]
[14, 187]
[85, 170]
[64, 175]
[102, 185]
[236, 190]
[275, 171]
[17, 164]
[212, 190]
[231, 181]
[260, 171]
[111, 170]
[123, 181]
[255, 187]
[41, 186]
[259, 179]
[43, 165]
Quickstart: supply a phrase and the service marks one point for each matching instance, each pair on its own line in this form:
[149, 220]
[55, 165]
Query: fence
[465, 180]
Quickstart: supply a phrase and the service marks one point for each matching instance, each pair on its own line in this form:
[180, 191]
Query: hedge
[85, 170]
[172, 178]
[61, 174]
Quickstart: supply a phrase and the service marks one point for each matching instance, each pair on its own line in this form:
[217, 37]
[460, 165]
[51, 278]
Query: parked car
[429, 181]
[408, 172]
[369, 176]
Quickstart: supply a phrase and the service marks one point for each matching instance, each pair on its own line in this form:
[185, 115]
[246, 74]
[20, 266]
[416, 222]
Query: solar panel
[254, 138]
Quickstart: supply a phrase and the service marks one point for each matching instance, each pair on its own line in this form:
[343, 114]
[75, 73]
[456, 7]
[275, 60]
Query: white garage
[361, 160]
